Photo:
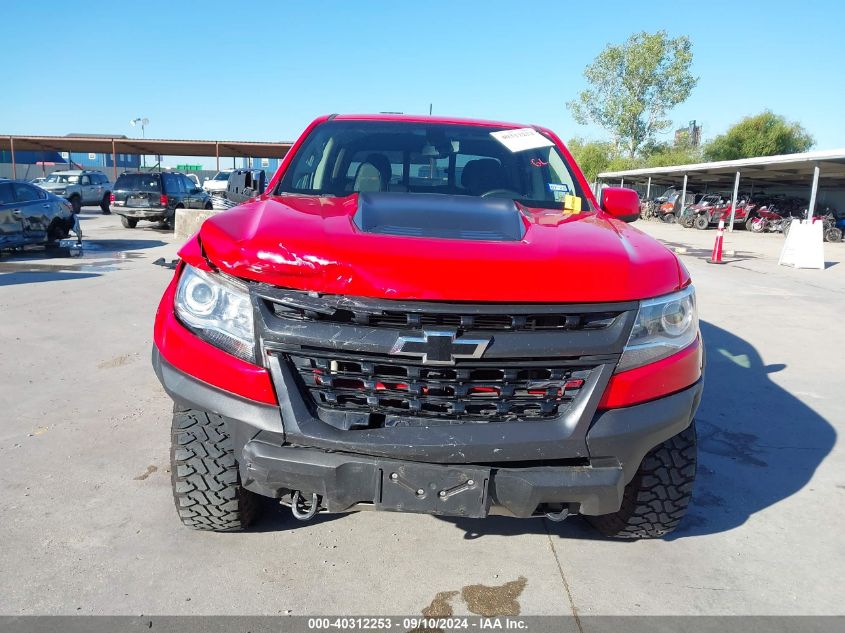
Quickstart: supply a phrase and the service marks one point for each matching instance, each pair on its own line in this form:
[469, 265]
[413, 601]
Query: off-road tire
[702, 222]
[105, 204]
[669, 218]
[75, 203]
[128, 223]
[204, 474]
[656, 499]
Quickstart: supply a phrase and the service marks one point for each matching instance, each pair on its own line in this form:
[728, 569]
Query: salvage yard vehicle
[691, 214]
[244, 184]
[155, 197]
[831, 231]
[80, 187]
[672, 208]
[431, 315]
[30, 215]
[217, 185]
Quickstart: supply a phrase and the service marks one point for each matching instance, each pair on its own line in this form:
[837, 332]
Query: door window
[6, 194]
[188, 184]
[26, 193]
[85, 180]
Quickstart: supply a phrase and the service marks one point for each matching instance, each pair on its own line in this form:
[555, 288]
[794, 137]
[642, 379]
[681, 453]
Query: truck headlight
[217, 310]
[665, 325]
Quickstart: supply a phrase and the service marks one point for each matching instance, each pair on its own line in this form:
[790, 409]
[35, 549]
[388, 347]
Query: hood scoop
[439, 216]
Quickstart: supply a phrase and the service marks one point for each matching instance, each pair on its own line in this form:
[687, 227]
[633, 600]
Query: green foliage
[593, 157]
[632, 86]
[663, 155]
[766, 134]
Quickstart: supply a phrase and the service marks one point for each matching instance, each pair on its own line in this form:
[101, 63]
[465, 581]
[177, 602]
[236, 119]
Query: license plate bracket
[434, 489]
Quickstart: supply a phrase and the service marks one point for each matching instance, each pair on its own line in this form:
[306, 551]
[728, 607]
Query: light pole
[144, 123]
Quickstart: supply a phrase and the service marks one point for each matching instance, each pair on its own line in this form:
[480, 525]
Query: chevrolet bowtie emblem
[440, 347]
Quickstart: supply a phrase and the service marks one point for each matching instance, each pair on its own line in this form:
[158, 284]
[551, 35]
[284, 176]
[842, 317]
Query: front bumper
[279, 450]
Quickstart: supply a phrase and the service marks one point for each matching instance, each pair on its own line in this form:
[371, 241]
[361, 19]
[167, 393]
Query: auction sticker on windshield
[521, 139]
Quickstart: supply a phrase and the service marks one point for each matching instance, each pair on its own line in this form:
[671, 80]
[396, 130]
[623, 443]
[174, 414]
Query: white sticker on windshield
[521, 139]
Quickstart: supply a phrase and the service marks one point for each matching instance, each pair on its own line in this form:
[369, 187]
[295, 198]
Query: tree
[633, 86]
[593, 157]
[766, 134]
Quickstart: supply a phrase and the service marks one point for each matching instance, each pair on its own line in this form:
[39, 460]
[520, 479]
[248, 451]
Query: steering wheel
[501, 193]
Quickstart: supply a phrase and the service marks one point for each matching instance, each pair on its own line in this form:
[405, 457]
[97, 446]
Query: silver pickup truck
[80, 187]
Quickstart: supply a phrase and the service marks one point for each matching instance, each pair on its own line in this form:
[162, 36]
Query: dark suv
[155, 197]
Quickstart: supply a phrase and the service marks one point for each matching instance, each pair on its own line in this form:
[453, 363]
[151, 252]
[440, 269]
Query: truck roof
[424, 118]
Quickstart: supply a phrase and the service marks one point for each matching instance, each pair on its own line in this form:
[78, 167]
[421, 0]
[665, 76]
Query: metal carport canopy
[785, 169]
[163, 147]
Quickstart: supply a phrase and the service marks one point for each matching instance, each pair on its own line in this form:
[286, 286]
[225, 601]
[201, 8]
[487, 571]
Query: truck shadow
[758, 444]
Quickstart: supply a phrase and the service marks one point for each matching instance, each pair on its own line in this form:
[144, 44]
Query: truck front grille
[394, 391]
[417, 320]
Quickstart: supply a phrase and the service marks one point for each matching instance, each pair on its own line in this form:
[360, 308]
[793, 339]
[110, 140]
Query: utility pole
[144, 123]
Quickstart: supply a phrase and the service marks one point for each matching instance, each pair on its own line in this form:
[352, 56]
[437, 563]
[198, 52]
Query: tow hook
[303, 509]
[557, 517]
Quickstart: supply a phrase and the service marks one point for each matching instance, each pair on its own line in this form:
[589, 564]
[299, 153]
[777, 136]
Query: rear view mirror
[622, 204]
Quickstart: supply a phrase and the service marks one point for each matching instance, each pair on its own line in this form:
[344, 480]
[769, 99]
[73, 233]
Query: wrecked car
[431, 315]
[30, 215]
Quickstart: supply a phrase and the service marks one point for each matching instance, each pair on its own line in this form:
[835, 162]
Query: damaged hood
[315, 243]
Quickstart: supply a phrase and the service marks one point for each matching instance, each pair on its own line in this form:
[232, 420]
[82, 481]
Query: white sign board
[521, 139]
[804, 246]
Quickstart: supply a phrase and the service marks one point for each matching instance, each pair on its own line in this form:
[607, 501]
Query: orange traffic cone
[716, 255]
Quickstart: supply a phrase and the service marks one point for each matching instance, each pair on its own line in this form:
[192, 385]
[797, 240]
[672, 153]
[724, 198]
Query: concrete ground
[87, 524]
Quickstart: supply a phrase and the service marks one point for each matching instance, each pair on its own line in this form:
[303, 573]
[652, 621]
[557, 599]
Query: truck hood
[313, 243]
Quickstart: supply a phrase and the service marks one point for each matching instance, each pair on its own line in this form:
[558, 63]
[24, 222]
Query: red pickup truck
[431, 315]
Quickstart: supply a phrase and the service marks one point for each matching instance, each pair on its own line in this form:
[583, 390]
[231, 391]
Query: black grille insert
[461, 394]
[407, 319]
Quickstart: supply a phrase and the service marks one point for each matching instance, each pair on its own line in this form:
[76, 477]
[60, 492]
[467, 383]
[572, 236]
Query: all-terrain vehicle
[431, 315]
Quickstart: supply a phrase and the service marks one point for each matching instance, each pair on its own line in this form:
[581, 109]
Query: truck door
[89, 189]
[11, 219]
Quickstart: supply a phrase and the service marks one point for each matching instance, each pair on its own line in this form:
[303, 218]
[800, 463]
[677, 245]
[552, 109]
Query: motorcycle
[765, 220]
[830, 231]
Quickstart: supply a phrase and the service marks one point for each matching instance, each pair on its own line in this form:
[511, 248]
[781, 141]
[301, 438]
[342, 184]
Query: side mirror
[622, 204]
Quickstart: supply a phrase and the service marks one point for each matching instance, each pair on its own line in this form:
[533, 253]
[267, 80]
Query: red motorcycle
[765, 220]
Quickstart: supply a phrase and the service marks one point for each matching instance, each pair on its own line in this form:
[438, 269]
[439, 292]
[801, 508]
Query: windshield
[138, 182]
[222, 175]
[343, 157]
[63, 178]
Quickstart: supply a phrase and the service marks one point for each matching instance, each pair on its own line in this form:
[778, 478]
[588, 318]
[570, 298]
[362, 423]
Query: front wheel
[702, 222]
[669, 218]
[204, 474]
[656, 499]
[104, 204]
[756, 225]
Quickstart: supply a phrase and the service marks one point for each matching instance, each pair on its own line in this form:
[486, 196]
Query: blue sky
[261, 70]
